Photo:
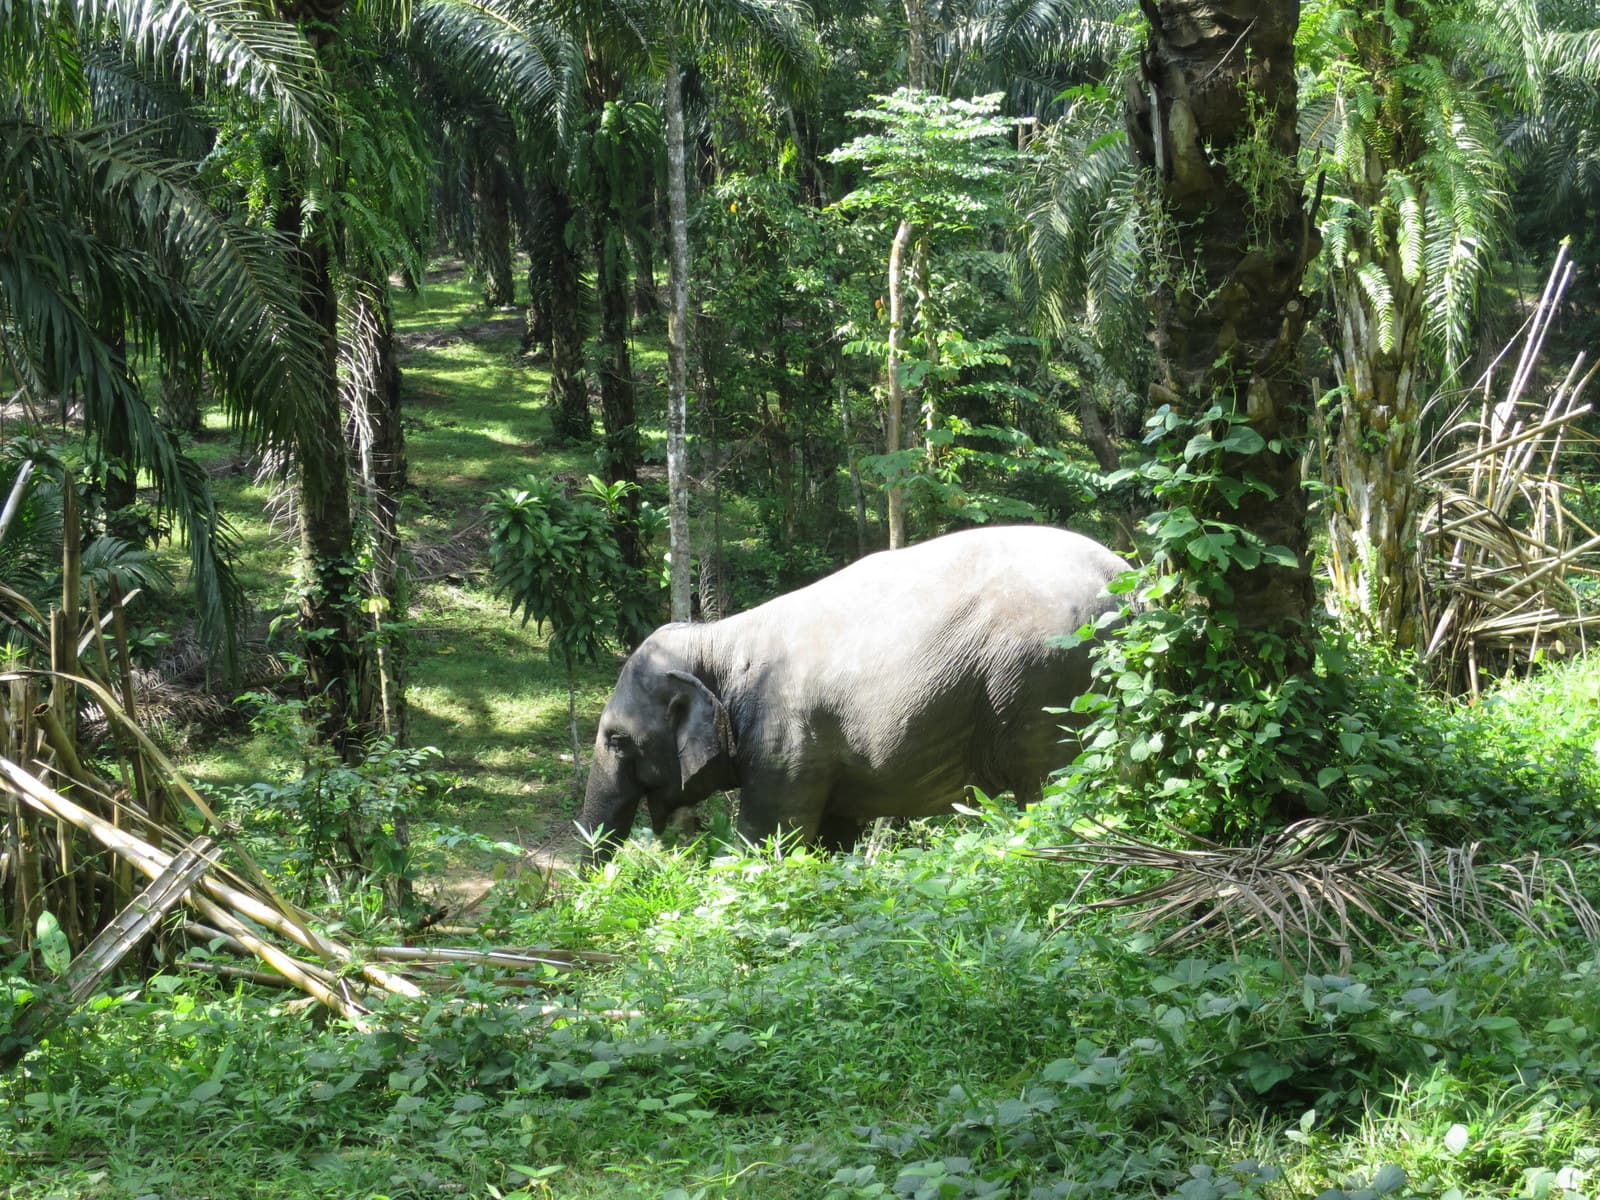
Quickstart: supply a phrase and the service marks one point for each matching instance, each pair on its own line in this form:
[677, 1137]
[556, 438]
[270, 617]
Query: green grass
[939, 1021]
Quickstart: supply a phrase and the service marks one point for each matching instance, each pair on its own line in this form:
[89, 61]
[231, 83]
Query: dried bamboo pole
[230, 971]
[1520, 437]
[151, 861]
[141, 915]
[108, 948]
[168, 771]
[285, 965]
[444, 955]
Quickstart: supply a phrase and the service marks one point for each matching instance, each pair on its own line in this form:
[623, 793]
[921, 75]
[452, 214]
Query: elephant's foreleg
[781, 804]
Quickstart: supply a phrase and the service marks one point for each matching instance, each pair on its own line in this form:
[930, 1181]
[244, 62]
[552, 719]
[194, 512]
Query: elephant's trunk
[607, 815]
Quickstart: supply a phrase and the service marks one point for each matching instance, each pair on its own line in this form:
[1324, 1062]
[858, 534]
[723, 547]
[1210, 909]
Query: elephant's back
[926, 665]
[1020, 579]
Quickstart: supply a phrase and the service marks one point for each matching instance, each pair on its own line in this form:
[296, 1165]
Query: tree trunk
[677, 344]
[916, 44]
[646, 304]
[1216, 87]
[493, 234]
[922, 285]
[563, 297]
[330, 593]
[1372, 520]
[330, 599]
[617, 413]
[895, 396]
[181, 404]
[375, 407]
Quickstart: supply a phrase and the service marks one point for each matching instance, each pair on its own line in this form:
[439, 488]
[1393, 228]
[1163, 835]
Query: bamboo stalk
[13, 504]
[290, 968]
[1467, 458]
[229, 971]
[114, 713]
[100, 957]
[141, 915]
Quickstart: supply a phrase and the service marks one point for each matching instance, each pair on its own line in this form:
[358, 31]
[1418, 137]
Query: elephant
[882, 690]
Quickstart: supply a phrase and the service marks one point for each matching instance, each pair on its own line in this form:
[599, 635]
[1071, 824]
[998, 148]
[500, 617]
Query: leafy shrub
[331, 827]
[1361, 736]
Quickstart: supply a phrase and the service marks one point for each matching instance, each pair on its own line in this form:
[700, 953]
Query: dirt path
[464, 885]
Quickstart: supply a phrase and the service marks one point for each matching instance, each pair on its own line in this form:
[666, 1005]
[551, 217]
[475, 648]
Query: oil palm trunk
[1212, 114]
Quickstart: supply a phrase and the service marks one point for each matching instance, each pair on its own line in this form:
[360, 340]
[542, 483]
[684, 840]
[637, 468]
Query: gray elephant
[879, 691]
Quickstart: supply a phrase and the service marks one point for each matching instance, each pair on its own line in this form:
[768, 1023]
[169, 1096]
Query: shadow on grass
[488, 696]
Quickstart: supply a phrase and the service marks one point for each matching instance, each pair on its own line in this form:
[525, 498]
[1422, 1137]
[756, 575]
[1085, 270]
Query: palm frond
[520, 53]
[1380, 300]
[1033, 48]
[1572, 54]
[777, 36]
[1319, 890]
[41, 63]
[108, 229]
[237, 43]
[127, 96]
[1082, 241]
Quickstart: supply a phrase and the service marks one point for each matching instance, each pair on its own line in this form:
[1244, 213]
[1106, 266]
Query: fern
[1401, 192]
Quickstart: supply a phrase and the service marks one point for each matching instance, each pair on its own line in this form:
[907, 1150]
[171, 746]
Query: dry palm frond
[1502, 554]
[1321, 888]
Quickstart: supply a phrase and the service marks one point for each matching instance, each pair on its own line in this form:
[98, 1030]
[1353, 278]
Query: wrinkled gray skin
[880, 691]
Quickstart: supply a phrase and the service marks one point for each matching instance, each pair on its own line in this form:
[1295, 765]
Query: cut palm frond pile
[1509, 570]
[1320, 889]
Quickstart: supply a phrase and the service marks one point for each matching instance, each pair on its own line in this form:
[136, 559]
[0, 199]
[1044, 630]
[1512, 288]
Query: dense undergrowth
[937, 1015]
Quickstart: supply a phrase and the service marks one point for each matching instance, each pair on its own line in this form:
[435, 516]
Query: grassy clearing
[484, 692]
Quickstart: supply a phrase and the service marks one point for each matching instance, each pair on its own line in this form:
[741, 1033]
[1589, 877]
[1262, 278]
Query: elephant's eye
[618, 740]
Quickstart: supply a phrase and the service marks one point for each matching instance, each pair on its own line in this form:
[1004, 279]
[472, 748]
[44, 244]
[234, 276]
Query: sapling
[555, 558]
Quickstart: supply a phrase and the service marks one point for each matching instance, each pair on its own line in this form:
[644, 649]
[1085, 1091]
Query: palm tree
[114, 251]
[1405, 119]
[1211, 117]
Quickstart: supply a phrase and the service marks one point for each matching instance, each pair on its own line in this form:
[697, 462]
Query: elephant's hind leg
[837, 834]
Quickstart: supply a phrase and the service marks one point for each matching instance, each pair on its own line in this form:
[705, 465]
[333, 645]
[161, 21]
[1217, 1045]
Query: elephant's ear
[701, 724]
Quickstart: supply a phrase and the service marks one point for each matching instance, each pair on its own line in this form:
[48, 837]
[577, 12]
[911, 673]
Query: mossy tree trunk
[1373, 509]
[1211, 116]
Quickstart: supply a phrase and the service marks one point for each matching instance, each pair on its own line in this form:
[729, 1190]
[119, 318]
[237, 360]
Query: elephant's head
[664, 738]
